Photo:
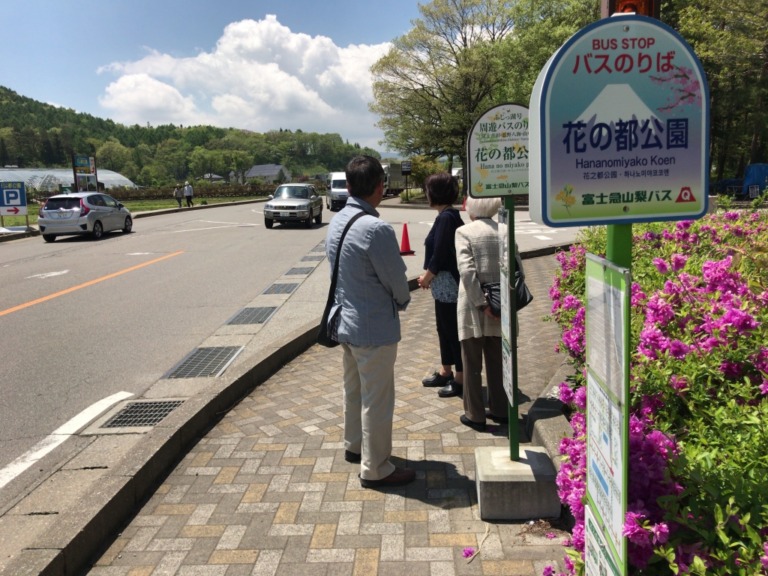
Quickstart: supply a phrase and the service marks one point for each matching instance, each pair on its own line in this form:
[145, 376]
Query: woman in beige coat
[477, 256]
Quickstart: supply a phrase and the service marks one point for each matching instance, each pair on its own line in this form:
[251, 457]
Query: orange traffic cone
[405, 244]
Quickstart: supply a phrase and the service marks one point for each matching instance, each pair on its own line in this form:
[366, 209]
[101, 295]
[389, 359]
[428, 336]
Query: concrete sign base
[516, 490]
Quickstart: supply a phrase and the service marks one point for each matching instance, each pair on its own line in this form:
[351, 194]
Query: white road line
[62, 433]
[48, 274]
[539, 237]
[220, 222]
[208, 228]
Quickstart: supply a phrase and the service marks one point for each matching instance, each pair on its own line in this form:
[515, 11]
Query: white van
[336, 196]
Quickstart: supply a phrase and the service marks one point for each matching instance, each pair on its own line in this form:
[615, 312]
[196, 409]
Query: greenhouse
[53, 179]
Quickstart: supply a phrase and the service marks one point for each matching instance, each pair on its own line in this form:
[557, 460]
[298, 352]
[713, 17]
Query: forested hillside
[33, 134]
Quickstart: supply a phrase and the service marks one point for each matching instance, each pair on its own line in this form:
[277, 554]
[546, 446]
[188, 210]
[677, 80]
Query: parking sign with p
[13, 199]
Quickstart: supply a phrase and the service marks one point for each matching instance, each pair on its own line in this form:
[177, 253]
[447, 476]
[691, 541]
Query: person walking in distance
[372, 287]
[178, 194]
[188, 193]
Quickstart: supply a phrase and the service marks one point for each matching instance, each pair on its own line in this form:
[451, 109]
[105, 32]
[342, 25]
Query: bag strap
[332, 290]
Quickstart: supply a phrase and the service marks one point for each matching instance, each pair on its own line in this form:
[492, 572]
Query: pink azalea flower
[678, 349]
[678, 262]
[679, 383]
[661, 265]
[660, 533]
[566, 393]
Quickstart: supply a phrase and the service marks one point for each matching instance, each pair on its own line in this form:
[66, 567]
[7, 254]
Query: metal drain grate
[253, 315]
[140, 414]
[319, 248]
[206, 362]
[281, 289]
[311, 258]
[295, 271]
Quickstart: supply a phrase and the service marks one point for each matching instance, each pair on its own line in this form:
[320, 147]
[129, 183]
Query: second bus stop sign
[619, 128]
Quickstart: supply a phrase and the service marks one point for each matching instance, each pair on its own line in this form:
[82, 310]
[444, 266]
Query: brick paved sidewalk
[267, 490]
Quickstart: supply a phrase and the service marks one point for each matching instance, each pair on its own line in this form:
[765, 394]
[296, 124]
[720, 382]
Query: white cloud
[260, 76]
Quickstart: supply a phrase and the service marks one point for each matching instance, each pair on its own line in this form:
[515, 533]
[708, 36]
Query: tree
[421, 168]
[731, 40]
[112, 155]
[237, 162]
[203, 161]
[541, 28]
[438, 78]
[171, 154]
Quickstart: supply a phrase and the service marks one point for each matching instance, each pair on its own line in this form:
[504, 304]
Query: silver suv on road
[294, 203]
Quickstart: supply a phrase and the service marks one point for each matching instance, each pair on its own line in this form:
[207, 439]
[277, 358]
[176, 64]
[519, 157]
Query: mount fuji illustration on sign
[612, 103]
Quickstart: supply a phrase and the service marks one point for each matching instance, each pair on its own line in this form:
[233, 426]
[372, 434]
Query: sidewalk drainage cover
[281, 289]
[253, 315]
[319, 248]
[294, 271]
[312, 258]
[140, 414]
[203, 362]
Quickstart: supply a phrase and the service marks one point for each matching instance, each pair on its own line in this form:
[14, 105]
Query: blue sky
[252, 64]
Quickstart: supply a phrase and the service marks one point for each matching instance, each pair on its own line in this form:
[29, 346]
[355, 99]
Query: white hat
[186, 183]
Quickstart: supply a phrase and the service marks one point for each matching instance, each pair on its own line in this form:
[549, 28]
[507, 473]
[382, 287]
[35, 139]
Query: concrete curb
[19, 235]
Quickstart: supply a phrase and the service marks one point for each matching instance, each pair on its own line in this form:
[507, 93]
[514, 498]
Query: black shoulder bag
[326, 331]
[523, 296]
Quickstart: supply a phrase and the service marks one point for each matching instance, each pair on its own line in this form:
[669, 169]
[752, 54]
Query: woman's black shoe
[478, 426]
[437, 379]
[497, 419]
[351, 457]
[453, 388]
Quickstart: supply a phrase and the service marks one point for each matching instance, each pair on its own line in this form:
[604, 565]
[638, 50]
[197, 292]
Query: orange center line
[86, 284]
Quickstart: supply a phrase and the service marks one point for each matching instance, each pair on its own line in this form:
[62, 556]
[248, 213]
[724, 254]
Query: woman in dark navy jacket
[441, 276]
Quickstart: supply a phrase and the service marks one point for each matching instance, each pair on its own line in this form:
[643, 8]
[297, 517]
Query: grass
[134, 206]
[163, 204]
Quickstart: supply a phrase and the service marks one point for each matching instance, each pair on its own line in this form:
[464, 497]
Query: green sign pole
[497, 157]
[619, 246]
[512, 411]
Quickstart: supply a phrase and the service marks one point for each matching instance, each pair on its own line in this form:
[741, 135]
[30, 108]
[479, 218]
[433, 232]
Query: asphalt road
[82, 321]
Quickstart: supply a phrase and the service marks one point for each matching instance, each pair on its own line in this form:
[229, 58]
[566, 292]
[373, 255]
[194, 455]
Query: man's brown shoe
[399, 477]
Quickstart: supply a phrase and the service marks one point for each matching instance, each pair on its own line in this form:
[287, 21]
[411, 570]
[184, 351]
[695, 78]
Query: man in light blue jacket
[371, 290]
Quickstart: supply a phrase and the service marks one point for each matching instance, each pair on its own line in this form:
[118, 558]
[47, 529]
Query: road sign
[13, 199]
[620, 128]
[405, 167]
[497, 152]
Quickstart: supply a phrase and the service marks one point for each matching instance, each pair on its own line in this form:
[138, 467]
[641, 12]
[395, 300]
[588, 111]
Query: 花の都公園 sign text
[619, 128]
[497, 152]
